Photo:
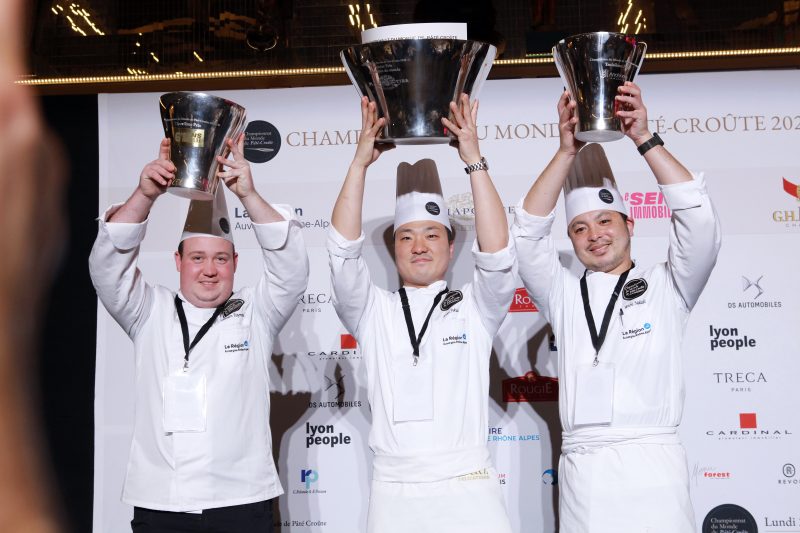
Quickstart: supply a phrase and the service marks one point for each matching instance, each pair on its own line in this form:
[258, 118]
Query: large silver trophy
[197, 126]
[593, 66]
[413, 81]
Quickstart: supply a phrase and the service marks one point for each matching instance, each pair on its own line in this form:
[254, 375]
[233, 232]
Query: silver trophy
[592, 66]
[413, 81]
[197, 126]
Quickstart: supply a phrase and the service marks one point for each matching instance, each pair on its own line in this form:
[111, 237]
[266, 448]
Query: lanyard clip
[596, 361]
[416, 359]
[185, 365]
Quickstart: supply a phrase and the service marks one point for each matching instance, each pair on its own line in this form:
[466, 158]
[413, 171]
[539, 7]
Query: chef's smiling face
[422, 252]
[206, 266]
[602, 240]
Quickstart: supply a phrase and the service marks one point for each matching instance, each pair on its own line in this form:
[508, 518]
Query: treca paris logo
[522, 302]
[530, 388]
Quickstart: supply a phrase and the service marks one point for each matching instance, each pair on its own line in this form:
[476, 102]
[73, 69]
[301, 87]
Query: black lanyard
[597, 340]
[185, 328]
[416, 340]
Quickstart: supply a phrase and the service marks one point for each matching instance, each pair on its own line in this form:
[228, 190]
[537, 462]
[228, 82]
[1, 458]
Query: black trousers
[247, 518]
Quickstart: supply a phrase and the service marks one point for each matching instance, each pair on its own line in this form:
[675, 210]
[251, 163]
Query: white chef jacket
[630, 475]
[231, 462]
[415, 460]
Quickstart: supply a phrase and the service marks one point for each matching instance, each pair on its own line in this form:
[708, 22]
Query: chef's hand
[158, 174]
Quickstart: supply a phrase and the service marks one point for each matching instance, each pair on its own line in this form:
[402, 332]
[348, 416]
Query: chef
[201, 454]
[618, 326]
[427, 346]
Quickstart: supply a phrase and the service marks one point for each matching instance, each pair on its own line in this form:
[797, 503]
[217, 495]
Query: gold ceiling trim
[339, 70]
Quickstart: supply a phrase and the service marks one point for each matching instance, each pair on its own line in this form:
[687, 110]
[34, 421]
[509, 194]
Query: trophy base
[191, 194]
[599, 136]
[414, 140]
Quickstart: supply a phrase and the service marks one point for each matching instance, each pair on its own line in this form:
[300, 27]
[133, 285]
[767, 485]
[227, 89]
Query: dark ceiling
[145, 37]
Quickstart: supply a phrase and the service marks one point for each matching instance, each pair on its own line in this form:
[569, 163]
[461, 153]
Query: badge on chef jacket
[594, 394]
[185, 402]
[412, 390]
[452, 298]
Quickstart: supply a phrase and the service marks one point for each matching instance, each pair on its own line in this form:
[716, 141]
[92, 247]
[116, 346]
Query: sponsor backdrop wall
[741, 426]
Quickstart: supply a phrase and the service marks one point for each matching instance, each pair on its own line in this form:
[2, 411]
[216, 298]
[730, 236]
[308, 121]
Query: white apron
[615, 480]
[467, 504]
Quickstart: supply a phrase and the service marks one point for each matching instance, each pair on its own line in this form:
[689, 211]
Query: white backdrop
[741, 421]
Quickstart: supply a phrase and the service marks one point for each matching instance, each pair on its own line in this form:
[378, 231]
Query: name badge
[594, 394]
[412, 390]
[185, 402]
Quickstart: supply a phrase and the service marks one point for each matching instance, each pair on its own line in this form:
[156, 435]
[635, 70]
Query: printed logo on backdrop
[789, 215]
[646, 204]
[722, 338]
[262, 142]
[789, 476]
[308, 482]
[740, 381]
[347, 350]
[753, 294]
[530, 388]
[242, 218]
[313, 302]
[313, 223]
[729, 517]
[500, 435]
[325, 435]
[502, 478]
[461, 211]
[749, 429]
[701, 472]
[522, 302]
[335, 391]
[286, 524]
[550, 477]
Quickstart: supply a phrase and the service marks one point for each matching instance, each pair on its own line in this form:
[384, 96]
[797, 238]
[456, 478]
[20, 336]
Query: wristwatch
[480, 165]
[655, 140]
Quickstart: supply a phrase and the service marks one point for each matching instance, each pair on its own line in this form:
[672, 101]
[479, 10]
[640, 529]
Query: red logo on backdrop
[522, 302]
[348, 342]
[530, 388]
[747, 421]
[791, 188]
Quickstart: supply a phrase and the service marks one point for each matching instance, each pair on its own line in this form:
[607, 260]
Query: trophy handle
[561, 72]
[483, 73]
[349, 67]
[638, 58]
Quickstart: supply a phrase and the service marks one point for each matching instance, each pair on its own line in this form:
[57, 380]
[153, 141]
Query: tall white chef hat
[590, 185]
[419, 194]
[208, 219]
